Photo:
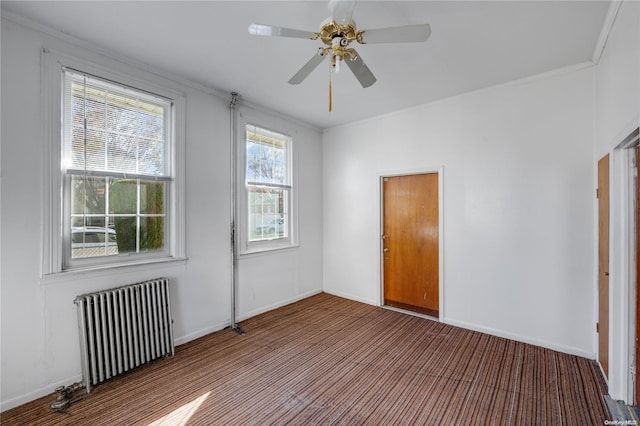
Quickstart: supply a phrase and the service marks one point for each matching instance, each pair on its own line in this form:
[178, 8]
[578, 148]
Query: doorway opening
[602, 326]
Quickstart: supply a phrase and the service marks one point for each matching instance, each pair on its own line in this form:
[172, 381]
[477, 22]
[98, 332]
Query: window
[115, 151]
[114, 175]
[267, 168]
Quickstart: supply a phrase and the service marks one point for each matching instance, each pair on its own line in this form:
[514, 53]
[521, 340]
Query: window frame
[56, 239]
[245, 246]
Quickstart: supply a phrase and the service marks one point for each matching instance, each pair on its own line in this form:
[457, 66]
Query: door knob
[385, 236]
[385, 249]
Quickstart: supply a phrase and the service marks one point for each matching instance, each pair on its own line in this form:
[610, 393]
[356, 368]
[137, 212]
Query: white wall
[617, 114]
[518, 205]
[618, 80]
[39, 334]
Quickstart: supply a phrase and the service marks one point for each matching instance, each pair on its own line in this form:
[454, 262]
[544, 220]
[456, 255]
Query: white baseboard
[217, 327]
[199, 333]
[28, 397]
[352, 297]
[488, 330]
[280, 304]
[520, 338]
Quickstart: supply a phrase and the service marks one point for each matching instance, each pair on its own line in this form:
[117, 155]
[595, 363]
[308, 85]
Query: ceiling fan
[337, 32]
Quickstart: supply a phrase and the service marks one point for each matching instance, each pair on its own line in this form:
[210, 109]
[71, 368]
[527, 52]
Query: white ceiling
[473, 45]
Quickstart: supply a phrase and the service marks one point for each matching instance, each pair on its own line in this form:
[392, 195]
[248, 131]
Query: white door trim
[622, 270]
[381, 175]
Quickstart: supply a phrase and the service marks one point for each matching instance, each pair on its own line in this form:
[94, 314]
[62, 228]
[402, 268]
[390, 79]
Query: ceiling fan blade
[306, 69]
[342, 10]
[270, 30]
[405, 34]
[361, 71]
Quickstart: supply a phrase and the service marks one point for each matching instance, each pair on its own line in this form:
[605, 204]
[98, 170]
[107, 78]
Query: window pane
[122, 114]
[268, 218]
[88, 196]
[127, 233]
[151, 157]
[152, 234]
[151, 122]
[266, 156]
[152, 197]
[77, 147]
[92, 241]
[121, 153]
[93, 157]
[123, 196]
[95, 108]
[265, 164]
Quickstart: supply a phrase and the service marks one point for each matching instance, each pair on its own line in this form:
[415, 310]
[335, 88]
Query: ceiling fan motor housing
[330, 29]
[338, 37]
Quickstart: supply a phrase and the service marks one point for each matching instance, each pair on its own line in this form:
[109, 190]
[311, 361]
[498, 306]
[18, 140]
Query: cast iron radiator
[123, 328]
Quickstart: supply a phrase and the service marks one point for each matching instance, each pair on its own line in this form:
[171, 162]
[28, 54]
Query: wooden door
[603, 263]
[411, 243]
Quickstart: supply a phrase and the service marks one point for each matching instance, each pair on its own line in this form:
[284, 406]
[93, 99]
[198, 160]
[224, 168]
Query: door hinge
[597, 192]
[597, 327]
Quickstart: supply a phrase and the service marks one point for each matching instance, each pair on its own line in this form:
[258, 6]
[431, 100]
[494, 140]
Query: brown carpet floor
[327, 360]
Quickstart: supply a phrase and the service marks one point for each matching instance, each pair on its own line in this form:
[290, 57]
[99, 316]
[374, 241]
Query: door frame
[636, 343]
[622, 284]
[441, 293]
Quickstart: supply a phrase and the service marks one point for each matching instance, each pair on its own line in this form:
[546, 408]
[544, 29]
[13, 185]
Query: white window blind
[113, 130]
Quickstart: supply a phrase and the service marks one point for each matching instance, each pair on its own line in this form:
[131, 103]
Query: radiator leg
[65, 397]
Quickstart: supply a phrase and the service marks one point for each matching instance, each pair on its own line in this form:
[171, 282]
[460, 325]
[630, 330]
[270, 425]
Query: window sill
[256, 251]
[112, 268]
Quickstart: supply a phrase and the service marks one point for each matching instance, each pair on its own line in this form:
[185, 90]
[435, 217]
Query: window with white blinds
[116, 163]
